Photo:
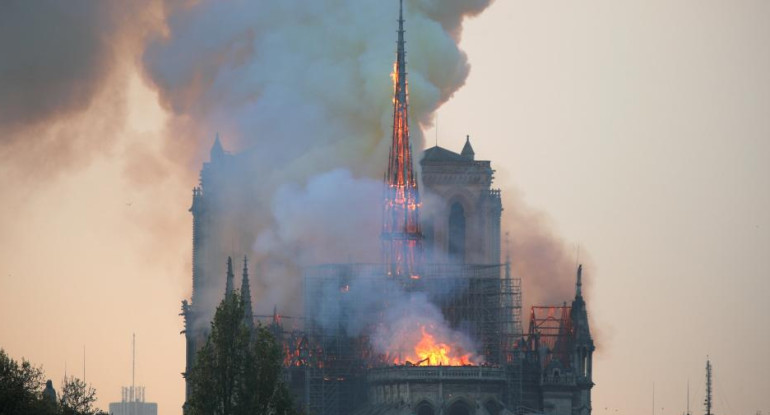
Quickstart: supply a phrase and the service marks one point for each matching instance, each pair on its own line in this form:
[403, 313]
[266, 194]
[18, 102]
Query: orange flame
[429, 352]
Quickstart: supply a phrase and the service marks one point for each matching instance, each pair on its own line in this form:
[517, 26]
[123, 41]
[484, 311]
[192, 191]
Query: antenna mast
[133, 361]
[708, 387]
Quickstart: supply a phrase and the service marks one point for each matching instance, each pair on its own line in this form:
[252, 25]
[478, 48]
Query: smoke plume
[400, 324]
[545, 263]
[63, 62]
[302, 92]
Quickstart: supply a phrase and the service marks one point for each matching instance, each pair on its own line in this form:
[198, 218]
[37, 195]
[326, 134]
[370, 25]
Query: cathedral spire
[230, 277]
[248, 313]
[401, 57]
[401, 236]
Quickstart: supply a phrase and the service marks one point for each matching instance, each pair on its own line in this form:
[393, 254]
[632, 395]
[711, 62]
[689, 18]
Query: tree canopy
[22, 392]
[238, 370]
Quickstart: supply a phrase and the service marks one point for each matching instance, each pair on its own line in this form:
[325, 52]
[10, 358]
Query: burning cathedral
[436, 327]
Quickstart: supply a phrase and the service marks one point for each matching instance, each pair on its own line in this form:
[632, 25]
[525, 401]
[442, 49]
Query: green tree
[77, 397]
[20, 386]
[238, 370]
[21, 392]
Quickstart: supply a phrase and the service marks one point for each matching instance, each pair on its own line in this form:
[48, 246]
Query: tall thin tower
[707, 401]
[401, 235]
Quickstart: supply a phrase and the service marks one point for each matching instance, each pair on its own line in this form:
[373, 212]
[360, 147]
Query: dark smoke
[546, 264]
[55, 54]
[57, 59]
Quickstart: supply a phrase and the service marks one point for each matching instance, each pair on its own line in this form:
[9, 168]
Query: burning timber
[436, 326]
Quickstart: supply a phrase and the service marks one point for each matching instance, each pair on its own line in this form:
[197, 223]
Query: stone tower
[462, 223]
[582, 351]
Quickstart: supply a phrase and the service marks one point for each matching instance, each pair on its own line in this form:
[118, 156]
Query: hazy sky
[640, 130]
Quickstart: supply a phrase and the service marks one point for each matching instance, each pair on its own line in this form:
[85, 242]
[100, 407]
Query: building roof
[437, 153]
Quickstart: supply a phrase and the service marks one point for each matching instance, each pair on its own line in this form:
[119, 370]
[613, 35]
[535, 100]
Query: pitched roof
[437, 153]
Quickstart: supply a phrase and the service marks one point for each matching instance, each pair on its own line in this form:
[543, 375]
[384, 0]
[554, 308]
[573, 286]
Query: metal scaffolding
[550, 332]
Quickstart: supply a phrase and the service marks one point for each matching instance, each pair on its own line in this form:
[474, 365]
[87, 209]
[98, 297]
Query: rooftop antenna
[688, 396]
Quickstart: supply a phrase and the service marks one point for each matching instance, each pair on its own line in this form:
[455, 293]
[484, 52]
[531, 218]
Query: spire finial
[579, 285]
[401, 56]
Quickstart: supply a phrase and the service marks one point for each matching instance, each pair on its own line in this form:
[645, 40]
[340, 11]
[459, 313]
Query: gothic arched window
[424, 408]
[459, 408]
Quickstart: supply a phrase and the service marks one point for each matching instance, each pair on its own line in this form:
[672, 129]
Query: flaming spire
[401, 236]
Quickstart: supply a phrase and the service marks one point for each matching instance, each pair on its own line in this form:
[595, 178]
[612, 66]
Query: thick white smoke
[306, 84]
[394, 319]
[302, 91]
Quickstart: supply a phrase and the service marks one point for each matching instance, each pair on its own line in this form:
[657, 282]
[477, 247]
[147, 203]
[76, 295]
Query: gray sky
[640, 130]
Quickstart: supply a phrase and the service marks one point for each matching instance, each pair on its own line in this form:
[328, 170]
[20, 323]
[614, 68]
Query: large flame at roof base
[430, 352]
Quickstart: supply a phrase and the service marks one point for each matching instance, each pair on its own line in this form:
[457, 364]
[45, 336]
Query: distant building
[133, 403]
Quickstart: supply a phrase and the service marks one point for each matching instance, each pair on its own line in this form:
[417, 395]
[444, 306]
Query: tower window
[457, 232]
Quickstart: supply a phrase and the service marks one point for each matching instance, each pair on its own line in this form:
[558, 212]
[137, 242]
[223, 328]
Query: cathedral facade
[440, 230]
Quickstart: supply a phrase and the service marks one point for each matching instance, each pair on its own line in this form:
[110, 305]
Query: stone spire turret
[468, 149]
[579, 313]
[582, 350]
[229, 287]
[248, 313]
